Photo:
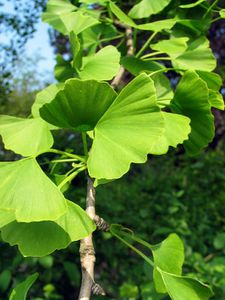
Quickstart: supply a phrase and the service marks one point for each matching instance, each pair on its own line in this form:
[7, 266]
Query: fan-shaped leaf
[99, 66]
[60, 6]
[33, 238]
[80, 105]
[24, 185]
[127, 131]
[184, 288]
[18, 135]
[192, 100]
[146, 8]
[177, 130]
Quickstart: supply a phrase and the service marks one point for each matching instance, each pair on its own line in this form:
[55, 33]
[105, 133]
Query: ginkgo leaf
[21, 290]
[173, 47]
[69, 22]
[222, 13]
[45, 96]
[214, 83]
[63, 69]
[190, 5]
[177, 130]
[127, 131]
[146, 8]
[153, 26]
[163, 88]
[169, 257]
[79, 105]
[6, 217]
[99, 66]
[24, 185]
[192, 100]
[33, 238]
[18, 135]
[60, 6]
[184, 288]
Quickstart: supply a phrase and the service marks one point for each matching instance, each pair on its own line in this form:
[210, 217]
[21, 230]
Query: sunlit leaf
[164, 91]
[222, 13]
[80, 105]
[60, 6]
[127, 131]
[177, 130]
[146, 8]
[173, 47]
[157, 25]
[24, 185]
[190, 5]
[18, 135]
[99, 66]
[33, 238]
[21, 290]
[192, 100]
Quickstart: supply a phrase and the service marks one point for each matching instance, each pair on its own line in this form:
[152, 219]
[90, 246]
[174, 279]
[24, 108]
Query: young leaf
[18, 135]
[24, 185]
[192, 4]
[222, 13]
[173, 47]
[177, 130]
[164, 91]
[45, 96]
[21, 290]
[169, 257]
[33, 238]
[184, 288]
[121, 15]
[192, 100]
[99, 66]
[60, 6]
[146, 8]
[79, 105]
[127, 131]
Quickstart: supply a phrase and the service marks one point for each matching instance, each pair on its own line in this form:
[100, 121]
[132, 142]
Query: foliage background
[169, 194]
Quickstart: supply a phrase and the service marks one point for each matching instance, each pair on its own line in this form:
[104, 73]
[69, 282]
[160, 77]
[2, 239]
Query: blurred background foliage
[169, 194]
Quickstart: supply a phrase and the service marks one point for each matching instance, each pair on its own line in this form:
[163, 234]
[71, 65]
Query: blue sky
[38, 44]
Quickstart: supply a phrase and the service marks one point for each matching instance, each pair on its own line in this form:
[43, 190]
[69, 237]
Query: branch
[87, 251]
[130, 51]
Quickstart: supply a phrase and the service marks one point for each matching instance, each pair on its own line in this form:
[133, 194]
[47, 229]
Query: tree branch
[130, 51]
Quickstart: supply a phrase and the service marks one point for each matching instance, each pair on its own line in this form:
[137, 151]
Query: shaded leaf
[21, 290]
[190, 5]
[33, 238]
[18, 135]
[24, 185]
[79, 105]
[63, 69]
[192, 100]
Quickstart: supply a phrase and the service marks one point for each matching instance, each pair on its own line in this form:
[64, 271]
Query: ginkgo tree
[115, 93]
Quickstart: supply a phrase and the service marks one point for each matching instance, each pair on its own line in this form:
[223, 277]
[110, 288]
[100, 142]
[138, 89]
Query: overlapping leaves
[168, 258]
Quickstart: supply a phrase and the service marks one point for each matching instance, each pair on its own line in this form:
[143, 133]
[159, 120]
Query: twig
[87, 251]
[130, 51]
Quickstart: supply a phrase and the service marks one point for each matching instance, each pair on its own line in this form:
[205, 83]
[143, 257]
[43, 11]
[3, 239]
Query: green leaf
[18, 135]
[136, 65]
[24, 184]
[198, 56]
[33, 238]
[63, 69]
[79, 105]
[184, 288]
[190, 5]
[69, 22]
[76, 50]
[177, 130]
[214, 82]
[219, 241]
[5, 279]
[127, 131]
[164, 91]
[121, 15]
[6, 217]
[169, 257]
[222, 13]
[21, 290]
[99, 66]
[192, 100]
[158, 26]
[45, 96]
[146, 8]
[173, 47]
[60, 6]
